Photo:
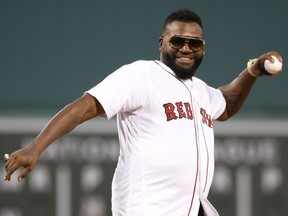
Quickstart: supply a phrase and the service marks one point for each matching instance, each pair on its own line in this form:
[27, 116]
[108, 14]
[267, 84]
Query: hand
[25, 158]
[258, 67]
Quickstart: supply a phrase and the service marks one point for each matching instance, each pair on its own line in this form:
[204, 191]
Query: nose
[186, 48]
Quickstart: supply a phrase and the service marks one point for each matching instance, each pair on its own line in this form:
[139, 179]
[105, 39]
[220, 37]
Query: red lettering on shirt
[188, 111]
[206, 119]
[178, 111]
[169, 111]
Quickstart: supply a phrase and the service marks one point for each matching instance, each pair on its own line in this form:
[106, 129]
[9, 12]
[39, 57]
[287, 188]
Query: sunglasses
[177, 42]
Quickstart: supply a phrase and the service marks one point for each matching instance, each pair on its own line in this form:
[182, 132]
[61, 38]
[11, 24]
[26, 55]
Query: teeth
[184, 58]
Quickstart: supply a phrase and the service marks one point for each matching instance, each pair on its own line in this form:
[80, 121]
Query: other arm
[79, 111]
[236, 92]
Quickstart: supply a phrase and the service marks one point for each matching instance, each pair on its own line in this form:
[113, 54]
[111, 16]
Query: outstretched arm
[82, 109]
[236, 92]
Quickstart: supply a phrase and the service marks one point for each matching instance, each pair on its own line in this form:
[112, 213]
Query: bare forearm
[65, 121]
[62, 123]
[84, 108]
[237, 91]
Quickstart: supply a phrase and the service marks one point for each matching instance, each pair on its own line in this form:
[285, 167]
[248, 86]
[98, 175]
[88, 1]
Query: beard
[181, 73]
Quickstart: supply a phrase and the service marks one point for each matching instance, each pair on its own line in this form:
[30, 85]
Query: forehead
[187, 29]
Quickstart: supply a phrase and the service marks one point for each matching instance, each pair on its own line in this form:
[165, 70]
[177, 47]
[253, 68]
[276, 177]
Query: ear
[160, 41]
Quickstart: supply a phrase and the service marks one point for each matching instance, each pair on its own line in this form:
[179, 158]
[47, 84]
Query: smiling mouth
[185, 59]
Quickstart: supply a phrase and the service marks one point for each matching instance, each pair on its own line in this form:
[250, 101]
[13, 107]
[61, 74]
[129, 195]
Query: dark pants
[201, 211]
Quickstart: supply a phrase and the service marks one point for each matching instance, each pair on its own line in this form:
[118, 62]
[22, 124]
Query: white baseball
[273, 67]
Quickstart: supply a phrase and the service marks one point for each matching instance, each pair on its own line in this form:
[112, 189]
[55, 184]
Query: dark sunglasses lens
[195, 44]
[177, 42]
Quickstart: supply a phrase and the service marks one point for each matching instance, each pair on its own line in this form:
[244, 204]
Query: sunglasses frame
[187, 39]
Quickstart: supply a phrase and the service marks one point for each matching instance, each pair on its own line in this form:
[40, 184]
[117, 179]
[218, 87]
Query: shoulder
[139, 64]
[139, 68]
[200, 83]
[203, 88]
[130, 70]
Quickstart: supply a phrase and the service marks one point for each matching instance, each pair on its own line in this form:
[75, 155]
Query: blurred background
[53, 51]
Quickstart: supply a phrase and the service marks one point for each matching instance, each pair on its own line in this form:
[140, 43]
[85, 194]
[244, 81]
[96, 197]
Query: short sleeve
[125, 90]
[217, 102]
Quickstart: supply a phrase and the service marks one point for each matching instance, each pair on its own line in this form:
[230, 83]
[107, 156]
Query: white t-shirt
[165, 127]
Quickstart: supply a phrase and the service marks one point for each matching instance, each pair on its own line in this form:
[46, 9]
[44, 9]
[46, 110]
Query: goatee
[182, 73]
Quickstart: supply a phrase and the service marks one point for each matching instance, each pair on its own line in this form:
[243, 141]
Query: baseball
[273, 67]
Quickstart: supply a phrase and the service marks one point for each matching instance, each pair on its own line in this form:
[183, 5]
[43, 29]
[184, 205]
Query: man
[165, 124]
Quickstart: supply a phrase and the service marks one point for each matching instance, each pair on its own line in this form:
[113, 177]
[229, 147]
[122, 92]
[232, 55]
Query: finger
[277, 55]
[271, 59]
[10, 169]
[8, 162]
[7, 178]
[24, 173]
